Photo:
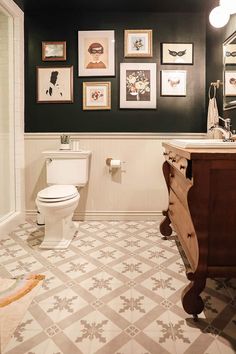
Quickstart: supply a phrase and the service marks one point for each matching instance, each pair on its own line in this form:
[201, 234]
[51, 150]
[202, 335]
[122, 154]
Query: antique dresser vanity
[202, 211]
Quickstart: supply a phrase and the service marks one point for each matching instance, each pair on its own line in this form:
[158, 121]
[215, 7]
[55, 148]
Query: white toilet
[65, 170]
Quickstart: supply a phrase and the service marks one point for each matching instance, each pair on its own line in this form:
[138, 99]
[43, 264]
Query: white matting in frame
[96, 95]
[230, 83]
[173, 82]
[177, 53]
[230, 54]
[96, 53]
[138, 43]
[55, 84]
[138, 85]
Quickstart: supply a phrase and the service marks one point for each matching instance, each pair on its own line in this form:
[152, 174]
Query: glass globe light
[229, 6]
[219, 17]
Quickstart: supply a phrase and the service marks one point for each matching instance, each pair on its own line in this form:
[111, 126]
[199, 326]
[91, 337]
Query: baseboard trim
[109, 215]
[11, 222]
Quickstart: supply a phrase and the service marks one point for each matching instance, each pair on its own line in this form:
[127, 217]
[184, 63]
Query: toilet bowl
[57, 203]
[65, 170]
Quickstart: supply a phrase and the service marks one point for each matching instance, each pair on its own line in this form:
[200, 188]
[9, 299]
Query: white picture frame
[173, 82]
[138, 85]
[96, 55]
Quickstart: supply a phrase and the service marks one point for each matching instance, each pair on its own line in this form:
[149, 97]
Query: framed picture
[96, 53]
[138, 43]
[230, 54]
[230, 83]
[53, 51]
[138, 85]
[55, 84]
[177, 53]
[96, 95]
[173, 82]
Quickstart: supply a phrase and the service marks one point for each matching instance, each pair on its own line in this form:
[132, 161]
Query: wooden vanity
[202, 211]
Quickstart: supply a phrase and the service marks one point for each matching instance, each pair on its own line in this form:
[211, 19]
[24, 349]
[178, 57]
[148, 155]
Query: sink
[203, 143]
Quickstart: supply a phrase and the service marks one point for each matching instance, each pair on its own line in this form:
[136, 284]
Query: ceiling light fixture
[229, 6]
[220, 15]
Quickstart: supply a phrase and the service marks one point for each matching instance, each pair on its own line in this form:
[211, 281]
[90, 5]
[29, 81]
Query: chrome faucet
[225, 130]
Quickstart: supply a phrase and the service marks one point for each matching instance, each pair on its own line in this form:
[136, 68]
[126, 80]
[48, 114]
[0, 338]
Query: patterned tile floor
[115, 290]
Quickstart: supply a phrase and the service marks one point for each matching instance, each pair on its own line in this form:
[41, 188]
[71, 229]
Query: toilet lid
[57, 193]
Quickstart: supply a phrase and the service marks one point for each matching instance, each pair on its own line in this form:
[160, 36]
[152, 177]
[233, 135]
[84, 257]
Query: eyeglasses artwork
[230, 54]
[175, 54]
[96, 53]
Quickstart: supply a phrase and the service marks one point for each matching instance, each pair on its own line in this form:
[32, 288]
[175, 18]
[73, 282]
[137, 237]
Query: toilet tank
[67, 167]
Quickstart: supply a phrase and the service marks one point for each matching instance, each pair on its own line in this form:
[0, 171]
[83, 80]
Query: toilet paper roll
[115, 164]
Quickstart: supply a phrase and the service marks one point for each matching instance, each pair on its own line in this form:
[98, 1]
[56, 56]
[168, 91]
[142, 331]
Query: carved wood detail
[198, 195]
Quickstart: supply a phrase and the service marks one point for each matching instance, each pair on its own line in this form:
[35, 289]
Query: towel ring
[210, 91]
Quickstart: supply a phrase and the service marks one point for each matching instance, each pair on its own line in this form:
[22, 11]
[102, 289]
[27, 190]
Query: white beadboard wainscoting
[136, 192]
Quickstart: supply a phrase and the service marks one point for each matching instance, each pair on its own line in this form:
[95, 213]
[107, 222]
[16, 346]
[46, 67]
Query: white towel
[213, 119]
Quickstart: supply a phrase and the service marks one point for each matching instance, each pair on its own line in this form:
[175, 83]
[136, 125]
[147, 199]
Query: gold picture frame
[55, 84]
[97, 95]
[138, 43]
[54, 51]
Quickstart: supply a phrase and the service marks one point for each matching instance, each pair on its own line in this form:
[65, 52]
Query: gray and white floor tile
[115, 290]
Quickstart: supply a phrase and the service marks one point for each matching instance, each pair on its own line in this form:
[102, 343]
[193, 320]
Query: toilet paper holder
[108, 161]
[113, 164]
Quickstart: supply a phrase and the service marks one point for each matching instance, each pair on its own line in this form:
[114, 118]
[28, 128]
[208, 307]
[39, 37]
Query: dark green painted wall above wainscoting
[173, 114]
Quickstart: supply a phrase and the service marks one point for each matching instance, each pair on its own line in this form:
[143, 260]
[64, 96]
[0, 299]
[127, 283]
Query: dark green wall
[20, 3]
[214, 62]
[173, 114]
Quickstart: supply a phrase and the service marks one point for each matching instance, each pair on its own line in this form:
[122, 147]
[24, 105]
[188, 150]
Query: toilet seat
[57, 193]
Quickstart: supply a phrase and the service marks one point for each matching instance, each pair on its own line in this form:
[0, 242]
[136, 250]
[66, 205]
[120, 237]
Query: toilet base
[58, 233]
[55, 244]
[59, 227]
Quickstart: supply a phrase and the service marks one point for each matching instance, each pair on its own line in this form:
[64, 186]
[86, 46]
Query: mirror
[229, 72]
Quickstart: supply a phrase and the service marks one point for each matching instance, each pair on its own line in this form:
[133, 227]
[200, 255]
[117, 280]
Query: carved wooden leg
[191, 299]
[165, 228]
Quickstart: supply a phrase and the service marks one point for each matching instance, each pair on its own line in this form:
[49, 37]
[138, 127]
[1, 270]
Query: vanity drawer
[180, 185]
[182, 223]
[177, 161]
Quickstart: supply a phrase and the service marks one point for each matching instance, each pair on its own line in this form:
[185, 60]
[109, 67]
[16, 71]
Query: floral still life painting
[138, 43]
[138, 85]
[96, 95]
